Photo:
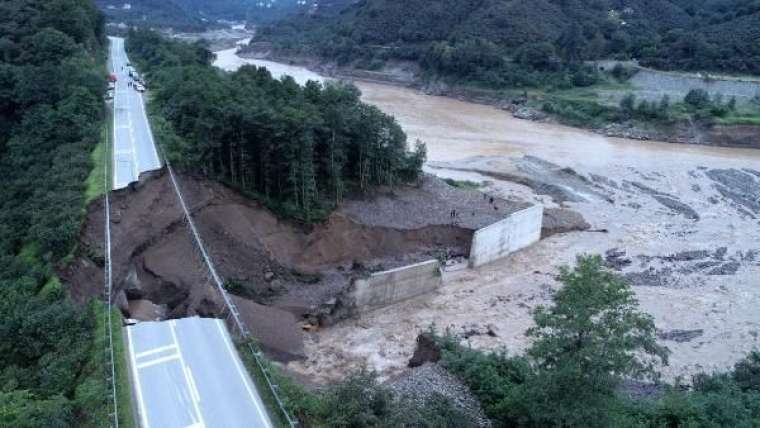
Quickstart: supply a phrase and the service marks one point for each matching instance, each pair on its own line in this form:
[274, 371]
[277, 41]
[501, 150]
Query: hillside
[150, 13]
[490, 41]
[52, 118]
[197, 15]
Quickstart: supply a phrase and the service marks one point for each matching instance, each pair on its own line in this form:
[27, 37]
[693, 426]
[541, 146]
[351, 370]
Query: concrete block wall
[500, 239]
[395, 285]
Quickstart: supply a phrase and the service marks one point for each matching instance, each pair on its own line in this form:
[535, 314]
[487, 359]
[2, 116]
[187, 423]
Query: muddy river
[680, 222]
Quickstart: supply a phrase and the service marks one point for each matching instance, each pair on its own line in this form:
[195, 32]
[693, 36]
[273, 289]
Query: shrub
[697, 99]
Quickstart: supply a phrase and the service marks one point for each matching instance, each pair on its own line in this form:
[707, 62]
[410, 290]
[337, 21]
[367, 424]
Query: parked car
[139, 87]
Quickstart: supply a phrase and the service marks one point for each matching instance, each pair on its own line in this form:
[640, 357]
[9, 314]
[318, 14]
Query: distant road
[134, 150]
[187, 373]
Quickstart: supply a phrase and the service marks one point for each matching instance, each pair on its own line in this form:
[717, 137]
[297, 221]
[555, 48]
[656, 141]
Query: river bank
[405, 74]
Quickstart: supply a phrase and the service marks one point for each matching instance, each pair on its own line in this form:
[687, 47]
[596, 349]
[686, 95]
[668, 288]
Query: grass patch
[52, 288]
[462, 184]
[739, 119]
[93, 394]
[29, 253]
[96, 179]
[123, 388]
[297, 400]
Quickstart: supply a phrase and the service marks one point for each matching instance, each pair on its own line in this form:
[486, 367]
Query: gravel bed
[421, 383]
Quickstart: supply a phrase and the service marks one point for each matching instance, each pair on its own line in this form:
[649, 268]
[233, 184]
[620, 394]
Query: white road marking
[198, 413]
[116, 184]
[150, 131]
[136, 173]
[193, 388]
[225, 337]
[138, 387]
[157, 361]
[156, 350]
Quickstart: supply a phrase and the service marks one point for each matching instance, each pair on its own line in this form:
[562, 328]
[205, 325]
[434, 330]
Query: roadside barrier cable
[109, 274]
[218, 281]
[220, 286]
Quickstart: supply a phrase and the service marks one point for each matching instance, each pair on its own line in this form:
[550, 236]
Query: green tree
[747, 372]
[585, 344]
[357, 402]
[571, 43]
[540, 56]
[628, 105]
[697, 99]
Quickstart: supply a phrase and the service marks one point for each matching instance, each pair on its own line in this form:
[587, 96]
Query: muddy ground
[284, 276]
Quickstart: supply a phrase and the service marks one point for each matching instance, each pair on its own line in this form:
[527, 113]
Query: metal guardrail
[217, 279]
[109, 355]
[219, 282]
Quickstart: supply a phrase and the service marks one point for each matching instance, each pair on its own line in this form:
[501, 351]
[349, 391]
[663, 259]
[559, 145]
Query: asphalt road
[187, 373]
[134, 150]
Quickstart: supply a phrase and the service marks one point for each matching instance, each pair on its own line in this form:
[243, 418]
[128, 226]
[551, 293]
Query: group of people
[130, 83]
[454, 214]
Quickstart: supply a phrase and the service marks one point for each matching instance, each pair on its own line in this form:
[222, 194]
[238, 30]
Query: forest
[528, 43]
[200, 15]
[52, 83]
[299, 150]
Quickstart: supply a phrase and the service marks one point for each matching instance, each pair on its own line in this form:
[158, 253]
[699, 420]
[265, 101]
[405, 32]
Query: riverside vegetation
[52, 83]
[299, 150]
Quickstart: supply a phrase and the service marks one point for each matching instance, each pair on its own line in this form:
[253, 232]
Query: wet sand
[480, 143]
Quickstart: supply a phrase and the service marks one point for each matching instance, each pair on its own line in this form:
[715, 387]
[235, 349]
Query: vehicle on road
[139, 87]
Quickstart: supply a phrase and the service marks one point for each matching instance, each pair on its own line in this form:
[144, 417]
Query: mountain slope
[150, 13]
[721, 35]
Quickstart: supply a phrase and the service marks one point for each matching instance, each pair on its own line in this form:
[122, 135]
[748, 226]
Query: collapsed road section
[283, 277]
[184, 373]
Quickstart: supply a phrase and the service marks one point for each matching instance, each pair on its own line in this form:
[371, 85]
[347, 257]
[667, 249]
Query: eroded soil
[283, 275]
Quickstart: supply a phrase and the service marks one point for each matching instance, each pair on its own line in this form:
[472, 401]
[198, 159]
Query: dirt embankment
[282, 274]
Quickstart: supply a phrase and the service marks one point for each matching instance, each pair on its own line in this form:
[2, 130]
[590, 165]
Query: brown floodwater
[454, 129]
[481, 139]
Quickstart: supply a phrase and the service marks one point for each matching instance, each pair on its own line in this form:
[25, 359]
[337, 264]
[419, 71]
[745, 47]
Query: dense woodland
[298, 149]
[199, 15]
[52, 82]
[529, 43]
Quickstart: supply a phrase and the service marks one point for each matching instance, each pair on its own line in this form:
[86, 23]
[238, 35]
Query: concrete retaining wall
[515, 232]
[392, 286]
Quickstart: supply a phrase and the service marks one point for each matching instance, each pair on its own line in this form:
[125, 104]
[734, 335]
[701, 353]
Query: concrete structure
[134, 150]
[519, 230]
[392, 286]
[187, 373]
